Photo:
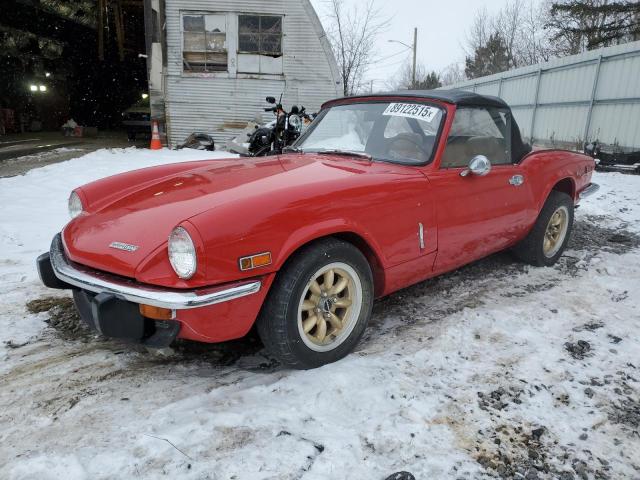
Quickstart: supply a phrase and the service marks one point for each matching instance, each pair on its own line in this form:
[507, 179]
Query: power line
[386, 65]
[390, 56]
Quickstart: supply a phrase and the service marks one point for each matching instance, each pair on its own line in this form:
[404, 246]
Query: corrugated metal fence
[570, 100]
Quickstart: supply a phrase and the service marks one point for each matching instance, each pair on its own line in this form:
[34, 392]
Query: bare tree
[480, 30]
[452, 74]
[519, 26]
[508, 25]
[534, 43]
[353, 32]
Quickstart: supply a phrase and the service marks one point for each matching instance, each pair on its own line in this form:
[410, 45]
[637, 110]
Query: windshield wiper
[349, 153]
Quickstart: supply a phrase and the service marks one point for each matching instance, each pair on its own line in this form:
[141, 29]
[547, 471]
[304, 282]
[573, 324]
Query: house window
[204, 43]
[260, 34]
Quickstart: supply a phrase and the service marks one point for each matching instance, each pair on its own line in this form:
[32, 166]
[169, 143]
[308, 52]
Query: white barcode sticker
[411, 110]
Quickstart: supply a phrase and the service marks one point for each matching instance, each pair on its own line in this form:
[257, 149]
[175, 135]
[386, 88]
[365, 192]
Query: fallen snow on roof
[495, 370]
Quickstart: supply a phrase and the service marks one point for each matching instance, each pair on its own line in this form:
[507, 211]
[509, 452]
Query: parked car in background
[382, 191]
[137, 119]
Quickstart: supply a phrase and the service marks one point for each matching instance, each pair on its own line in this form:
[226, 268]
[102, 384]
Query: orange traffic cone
[156, 144]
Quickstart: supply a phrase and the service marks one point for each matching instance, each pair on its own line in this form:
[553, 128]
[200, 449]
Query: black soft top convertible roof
[462, 98]
[455, 97]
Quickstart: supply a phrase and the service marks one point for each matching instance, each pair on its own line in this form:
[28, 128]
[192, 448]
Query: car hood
[144, 210]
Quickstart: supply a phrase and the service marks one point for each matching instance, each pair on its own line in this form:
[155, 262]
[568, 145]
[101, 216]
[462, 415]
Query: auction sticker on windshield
[411, 110]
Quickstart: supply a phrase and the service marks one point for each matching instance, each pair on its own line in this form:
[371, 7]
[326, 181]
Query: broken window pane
[215, 23]
[204, 43]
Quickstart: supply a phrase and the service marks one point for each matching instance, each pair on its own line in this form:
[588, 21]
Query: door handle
[516, 180]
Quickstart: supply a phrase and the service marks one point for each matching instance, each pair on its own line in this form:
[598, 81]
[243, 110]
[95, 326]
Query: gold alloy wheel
[556, 232]
[330, 307]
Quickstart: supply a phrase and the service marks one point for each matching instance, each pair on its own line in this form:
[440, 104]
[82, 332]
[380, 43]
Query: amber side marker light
[156, 313]
[255, 261]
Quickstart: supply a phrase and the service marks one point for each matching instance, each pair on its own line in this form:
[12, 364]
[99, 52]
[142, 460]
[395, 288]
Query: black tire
[278, 320]
[531, 249]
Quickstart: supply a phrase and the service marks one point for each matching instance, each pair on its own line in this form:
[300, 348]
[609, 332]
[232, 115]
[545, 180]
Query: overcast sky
[442, 29]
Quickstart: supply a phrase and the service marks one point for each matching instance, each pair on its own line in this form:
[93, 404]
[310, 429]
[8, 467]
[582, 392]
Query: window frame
[205, 73]
[420, 101]
[507, 134]
[260, 34]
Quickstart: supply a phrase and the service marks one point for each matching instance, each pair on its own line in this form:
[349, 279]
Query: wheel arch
[566, 185]
[357, 239]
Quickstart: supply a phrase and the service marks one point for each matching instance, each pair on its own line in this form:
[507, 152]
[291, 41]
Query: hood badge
[124, 246]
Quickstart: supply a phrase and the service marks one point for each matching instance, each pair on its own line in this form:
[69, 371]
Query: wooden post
[415, 51]
[117, 14]
[101, 30]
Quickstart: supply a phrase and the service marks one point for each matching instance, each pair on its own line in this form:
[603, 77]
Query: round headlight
[75, 205]
[296, 122]
[182, 253]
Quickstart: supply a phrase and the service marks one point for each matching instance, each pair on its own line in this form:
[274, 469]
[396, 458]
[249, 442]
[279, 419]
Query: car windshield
[403, 133]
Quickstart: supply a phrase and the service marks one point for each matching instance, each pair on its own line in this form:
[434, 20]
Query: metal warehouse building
[212, 62]
[573, 100]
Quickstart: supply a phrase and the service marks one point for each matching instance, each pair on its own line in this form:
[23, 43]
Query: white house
[212, 63]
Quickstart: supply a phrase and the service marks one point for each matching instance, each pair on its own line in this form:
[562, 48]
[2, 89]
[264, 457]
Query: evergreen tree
[488, 59]
[429, 82]
[590, 24]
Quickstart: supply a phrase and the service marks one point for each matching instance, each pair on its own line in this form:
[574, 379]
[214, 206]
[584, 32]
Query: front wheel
[319, 305]
[548, 238]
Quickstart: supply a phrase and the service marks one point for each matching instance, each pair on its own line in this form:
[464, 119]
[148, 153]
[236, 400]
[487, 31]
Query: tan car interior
[460, 150]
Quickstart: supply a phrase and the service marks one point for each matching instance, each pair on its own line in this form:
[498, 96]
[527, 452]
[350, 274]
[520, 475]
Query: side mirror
[479, 165]
[271, 99]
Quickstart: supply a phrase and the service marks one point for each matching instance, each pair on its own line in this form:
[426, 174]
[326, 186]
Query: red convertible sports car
[382, 191]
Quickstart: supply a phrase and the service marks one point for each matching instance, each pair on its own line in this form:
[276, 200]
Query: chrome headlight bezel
[296, 122]
[182, 253]
[75, 205]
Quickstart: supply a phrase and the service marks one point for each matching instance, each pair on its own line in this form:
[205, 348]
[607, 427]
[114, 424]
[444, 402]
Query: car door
[478, 215]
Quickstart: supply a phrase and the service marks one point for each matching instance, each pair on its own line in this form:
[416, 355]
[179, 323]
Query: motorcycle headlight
[295, 122]
[75, 205]
[182, 253]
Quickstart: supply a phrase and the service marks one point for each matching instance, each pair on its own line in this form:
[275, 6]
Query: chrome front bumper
[85, 278]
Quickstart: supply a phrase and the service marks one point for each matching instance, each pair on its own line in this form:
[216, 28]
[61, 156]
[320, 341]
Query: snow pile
[497, 370]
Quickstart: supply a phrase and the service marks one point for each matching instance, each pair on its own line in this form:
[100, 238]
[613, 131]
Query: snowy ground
[496, 370]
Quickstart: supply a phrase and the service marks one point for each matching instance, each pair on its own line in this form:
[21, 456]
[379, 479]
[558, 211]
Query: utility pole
[415, 51]
[413, 47]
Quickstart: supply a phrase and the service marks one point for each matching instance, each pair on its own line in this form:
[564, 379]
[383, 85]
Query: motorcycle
[274, 137]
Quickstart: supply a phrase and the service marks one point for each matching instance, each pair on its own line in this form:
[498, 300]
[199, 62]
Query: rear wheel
[548, 238]
[319, 305]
